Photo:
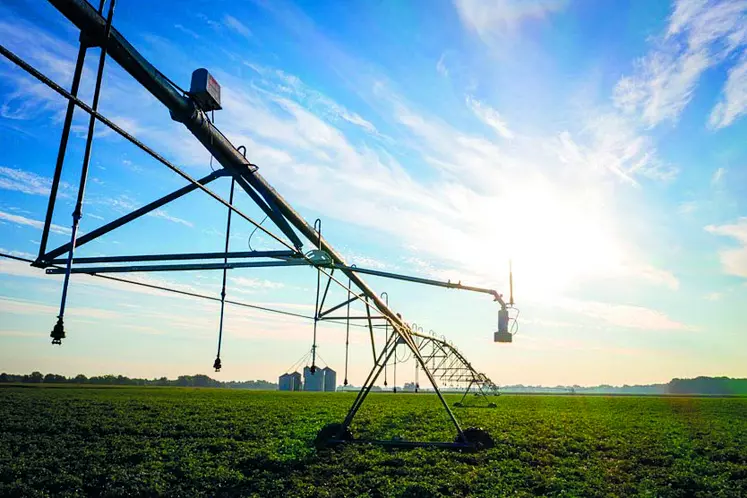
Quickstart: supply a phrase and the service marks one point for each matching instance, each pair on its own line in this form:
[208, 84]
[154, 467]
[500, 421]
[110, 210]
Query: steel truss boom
[98, 31]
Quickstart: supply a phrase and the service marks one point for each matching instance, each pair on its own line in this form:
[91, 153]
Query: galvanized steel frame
[234, 163]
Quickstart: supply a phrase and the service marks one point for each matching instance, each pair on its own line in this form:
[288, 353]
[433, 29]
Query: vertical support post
[370, 329]
[318, 228]
[58, 332]
[394, 389]
[347, 335]
[78, 72]
[385, 297]
[217, 365]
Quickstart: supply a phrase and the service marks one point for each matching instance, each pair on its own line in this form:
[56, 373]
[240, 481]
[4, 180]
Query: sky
[600, 146]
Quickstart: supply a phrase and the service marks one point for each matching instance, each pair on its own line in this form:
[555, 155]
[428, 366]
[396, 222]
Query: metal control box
[205, 91]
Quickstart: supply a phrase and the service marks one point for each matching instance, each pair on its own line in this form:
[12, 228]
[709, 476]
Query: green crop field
[218, 442]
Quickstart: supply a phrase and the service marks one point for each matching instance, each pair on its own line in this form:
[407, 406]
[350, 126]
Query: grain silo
[297, 383]
[330, 379]
[313, 381]
[285, 382]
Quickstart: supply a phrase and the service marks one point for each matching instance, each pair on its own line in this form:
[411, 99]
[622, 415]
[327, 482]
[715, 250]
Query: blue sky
[600, 145]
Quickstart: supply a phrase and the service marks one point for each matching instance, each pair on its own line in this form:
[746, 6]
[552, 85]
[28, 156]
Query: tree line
[120, 380]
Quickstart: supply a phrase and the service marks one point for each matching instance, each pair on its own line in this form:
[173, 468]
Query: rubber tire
[329, 431]
[479, 438]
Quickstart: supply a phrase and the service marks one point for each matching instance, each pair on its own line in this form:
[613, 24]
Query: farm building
[330, 379]
[297, 381]
[285, 382]
[290, 382]
[313, 381]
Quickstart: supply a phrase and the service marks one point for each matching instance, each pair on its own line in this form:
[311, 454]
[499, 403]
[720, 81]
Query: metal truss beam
[182, 267]
[180, 256]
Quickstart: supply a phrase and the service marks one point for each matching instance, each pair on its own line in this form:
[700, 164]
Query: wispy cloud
[28, 182]
[25, 307]
[441, 66]
[160, 213]
[612, 142]
[490, 117]
[20, 254]
[24, 221]
[501, 17]
[700, 35]
[187, 31]
[251, 285]
[279, 82]
[123, 203]
[733, 261]
[625, 316]
[234, 24]
[688, 207]
[718, 175]
[658, 276]
[28, 98]
[210, 22]
[733, 104]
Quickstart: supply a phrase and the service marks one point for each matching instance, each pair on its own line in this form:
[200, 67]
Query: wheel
[478, 438]
[492, 405]
[458, 404]
[329, 432]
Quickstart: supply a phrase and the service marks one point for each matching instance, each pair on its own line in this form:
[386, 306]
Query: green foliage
[217, 442]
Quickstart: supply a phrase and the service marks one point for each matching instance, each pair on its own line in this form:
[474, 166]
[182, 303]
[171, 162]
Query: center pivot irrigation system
[437, 358]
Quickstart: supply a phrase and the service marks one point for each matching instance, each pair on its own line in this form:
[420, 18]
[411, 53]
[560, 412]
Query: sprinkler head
[58, 332]
[217, 365]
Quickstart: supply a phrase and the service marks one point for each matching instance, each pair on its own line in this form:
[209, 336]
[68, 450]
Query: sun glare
[554, 239]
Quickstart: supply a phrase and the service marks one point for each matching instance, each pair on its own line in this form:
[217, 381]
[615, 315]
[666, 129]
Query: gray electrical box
[205, 91]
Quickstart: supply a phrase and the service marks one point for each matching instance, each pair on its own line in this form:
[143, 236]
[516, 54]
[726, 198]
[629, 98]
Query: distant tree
[4, 377]
[80, 379]
[36, 378]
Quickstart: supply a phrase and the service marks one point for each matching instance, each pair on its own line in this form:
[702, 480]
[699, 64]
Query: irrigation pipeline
[191, 294]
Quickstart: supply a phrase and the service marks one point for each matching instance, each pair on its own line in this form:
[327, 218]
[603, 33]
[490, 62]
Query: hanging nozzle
[502, 335]
[58, 332]
[217, 364]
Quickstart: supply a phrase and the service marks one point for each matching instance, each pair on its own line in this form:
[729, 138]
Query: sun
[556, 239]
